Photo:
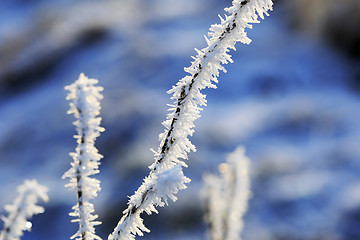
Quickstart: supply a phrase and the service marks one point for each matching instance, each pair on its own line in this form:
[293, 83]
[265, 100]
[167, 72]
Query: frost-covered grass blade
[188, 100]
[84, 99]
[22, 209]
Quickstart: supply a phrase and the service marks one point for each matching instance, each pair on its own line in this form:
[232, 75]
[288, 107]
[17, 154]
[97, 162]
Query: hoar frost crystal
[188, 99]
[84, 99]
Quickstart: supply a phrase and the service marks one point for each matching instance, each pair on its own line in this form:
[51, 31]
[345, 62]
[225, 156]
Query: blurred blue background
[291, 98]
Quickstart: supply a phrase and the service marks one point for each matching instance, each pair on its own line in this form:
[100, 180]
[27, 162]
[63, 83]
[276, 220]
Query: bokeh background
[291, 98]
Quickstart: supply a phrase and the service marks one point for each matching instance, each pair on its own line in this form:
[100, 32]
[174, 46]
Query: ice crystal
[23, 208]
[188, 100]
[84, 99]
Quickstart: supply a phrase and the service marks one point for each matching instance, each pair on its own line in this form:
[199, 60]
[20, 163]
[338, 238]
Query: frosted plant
[23, 208]
[84, 99]
[227, 197]
[215, 206]
[174, 143]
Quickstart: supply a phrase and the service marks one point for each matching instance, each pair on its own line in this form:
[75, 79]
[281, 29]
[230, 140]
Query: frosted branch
[84, 99]
[227, 197]
[188, 99]
[23, 208]
[159, 187]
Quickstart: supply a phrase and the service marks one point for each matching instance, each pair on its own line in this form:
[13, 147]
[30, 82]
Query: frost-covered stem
[23, 208]
[227, 197]
[185, 89]
[79, 182]
[215, 207]
[238, 192]
[84, 99]
[188, 99]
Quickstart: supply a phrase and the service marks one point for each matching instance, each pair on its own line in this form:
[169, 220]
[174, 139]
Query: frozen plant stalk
[23, 208]
[188, 99]
[227, 197]
[84, 99]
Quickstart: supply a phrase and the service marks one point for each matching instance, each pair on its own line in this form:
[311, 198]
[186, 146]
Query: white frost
[188, 99]
[84, 99]
[23, 208]
[227, 197]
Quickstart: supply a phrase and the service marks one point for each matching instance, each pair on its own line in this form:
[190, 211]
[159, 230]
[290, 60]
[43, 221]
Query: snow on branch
[23, 208]
[227, 197]
[84, 99]
[188, 99]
